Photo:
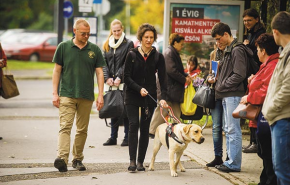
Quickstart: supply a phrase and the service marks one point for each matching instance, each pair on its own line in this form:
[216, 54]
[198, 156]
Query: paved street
[29, 126]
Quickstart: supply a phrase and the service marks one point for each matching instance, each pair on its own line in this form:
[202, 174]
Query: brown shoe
[252, 149]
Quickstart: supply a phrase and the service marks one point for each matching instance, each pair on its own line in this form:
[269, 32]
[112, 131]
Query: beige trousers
[69, 109]
[157, 118]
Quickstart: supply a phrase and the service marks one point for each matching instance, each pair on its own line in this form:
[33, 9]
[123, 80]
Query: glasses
[218, 39]
[84, 33]
[248, 20]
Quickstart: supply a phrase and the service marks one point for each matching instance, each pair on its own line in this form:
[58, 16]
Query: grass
[22, 65]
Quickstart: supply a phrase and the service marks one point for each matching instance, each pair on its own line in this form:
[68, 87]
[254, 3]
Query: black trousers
[134, 124]
[264, 142]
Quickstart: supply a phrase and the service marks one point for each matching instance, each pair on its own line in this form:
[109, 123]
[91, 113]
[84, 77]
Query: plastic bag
[187, 107]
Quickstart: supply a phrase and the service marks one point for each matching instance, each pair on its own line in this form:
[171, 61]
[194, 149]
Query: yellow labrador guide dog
[186, 133]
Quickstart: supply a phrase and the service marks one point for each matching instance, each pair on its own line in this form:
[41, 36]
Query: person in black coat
[176, 79]
[140, 80]
[253, 29]
[116, 48]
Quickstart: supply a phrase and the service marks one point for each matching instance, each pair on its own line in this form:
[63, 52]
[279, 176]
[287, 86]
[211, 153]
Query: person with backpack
[176, 79]
[276, 108]
[141, 92]
[229, 89]
[116, 48]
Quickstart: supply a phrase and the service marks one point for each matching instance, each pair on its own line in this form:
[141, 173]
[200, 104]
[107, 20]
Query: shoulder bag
[247, 111]
[9, 88]
[205, 96]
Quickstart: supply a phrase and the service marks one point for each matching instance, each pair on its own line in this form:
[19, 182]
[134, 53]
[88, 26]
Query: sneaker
[78, 165]
[125, 142]
[217, 161]
[60, 165]
[110, 141]
[224, 168]
[152, 136]
[252, 149]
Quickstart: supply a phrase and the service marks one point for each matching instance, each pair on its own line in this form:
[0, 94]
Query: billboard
[194, 20]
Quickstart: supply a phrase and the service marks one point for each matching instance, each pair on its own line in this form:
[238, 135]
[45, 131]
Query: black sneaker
[252, 149]
[125, 142]
[78, 165]
[60, 165]
[110, 141]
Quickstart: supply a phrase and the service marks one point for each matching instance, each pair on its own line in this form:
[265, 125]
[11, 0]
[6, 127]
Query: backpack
[252, 67]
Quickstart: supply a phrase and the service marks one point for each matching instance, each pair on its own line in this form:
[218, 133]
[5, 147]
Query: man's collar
[230, 47]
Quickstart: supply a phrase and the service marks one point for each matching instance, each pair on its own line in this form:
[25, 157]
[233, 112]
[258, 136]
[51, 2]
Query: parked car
[31, 46]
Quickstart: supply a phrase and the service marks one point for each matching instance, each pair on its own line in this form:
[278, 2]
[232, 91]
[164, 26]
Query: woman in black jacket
[139, 75]
[176, 79]
[116, 48]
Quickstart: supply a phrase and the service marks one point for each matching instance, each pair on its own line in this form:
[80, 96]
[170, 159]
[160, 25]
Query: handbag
[247, 111]
[9, 88]
[113, 104]
[205, 96]
[187, 107]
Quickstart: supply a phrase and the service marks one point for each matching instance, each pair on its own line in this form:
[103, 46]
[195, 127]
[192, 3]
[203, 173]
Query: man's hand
[100, 102]
[55, 100]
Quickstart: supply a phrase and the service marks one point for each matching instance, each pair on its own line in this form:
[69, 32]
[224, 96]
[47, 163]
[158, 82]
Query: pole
[60, 21]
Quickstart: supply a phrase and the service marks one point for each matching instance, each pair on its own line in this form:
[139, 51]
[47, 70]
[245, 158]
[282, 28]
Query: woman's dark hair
[252, 13]
[193, 59]
[266, 41]
[175, 37]
[143, 28]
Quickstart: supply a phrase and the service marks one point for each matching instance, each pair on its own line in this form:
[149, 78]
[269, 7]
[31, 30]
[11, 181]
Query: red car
[31, 46]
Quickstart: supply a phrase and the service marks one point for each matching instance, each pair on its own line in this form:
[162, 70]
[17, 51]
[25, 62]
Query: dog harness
[169, 133]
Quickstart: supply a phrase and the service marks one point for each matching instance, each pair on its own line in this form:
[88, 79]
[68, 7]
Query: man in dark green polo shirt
[76, 63]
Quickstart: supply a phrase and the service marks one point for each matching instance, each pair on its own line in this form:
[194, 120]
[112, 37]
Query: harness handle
[170, 111]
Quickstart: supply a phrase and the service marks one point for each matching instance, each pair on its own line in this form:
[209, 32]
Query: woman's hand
[188, 79]
[110, 82]
[1, 63]
[163, 104]
[250, 78]
[244, 99]
[246, 42]
[117, 82]
[143, 92]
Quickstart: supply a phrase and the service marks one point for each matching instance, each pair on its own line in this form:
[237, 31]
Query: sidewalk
[30, 141]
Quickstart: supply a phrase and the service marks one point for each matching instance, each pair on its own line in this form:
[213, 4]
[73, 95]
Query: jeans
[233, 133]
[134, 125]
[115, 128]
[280, 131]
[217, 128]
[265, 151]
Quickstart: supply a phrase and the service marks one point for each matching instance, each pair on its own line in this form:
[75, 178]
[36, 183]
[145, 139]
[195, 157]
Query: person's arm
[100, 79]
[171, 68]
[3, 58]
[55, 83]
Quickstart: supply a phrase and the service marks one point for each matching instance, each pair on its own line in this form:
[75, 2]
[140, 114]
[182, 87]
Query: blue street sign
[67, 9]
[97, 2]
